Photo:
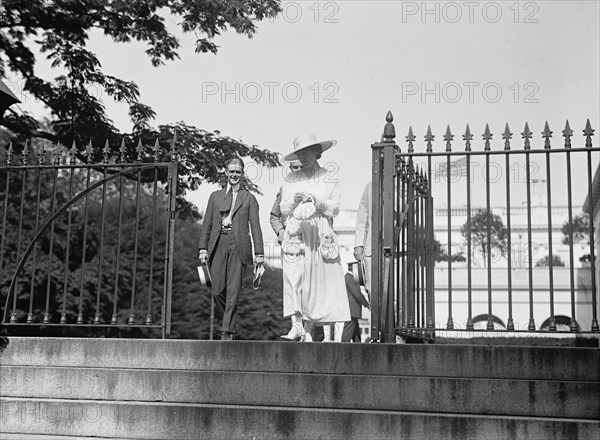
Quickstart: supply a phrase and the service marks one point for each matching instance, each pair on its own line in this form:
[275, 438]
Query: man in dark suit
[357, 301]
[231, 214]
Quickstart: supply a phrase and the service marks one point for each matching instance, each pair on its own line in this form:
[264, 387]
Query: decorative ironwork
[402, 230]
[61, 253]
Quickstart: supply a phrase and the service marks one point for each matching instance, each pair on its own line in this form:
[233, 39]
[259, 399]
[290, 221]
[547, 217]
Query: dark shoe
[226, 336]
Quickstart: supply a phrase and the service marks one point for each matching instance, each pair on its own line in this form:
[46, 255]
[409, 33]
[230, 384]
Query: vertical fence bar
[397, 289]
[105, 153]
[5, 211]
[487, 136]
[450, 324]
[151, 275]
[170, 245]
[13, 316]
[573, 323]
[46, 318]
[113, 319]
[430, 253]
[89, 152]
[63, 316]
[468, 137]
[37, 224]
[527, 135]
[422, 252]
[131, 319]
[589, 132]
[418, 243]
[507, 136]
[547, 134]
[411, 247]
[404, 269]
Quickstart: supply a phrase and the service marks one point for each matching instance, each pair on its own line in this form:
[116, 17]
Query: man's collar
[235, 188]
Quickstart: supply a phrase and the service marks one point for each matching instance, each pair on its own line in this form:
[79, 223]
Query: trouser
[226, 271]
[351, 331]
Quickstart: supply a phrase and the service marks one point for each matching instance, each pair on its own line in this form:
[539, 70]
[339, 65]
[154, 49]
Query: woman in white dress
[314, 288]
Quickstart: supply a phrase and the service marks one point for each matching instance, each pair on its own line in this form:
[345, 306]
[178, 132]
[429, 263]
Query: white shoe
[295, 334]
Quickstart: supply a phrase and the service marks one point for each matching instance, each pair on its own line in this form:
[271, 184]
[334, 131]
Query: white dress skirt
[313, 275]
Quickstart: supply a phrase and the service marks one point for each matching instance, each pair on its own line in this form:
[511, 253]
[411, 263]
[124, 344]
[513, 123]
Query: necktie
[227, 201]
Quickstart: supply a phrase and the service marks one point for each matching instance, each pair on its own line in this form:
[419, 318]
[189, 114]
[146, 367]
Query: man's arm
[206, 224]
[257, 237]
[361, 224]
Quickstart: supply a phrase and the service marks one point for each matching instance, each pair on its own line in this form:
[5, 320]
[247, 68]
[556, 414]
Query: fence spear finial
[526, 134]
[507, 136]
[9, 154]
[429, 138]
[547, 134]
[588, 132]
[139, 149]
[448, 136]
[72, 153]
[410, 139]
[122, 149]
[567, 133]
[57, 153]
[106, 151]
[25, 153]
[467, 137]
[155, 150]
[487, 136]
[89, 152]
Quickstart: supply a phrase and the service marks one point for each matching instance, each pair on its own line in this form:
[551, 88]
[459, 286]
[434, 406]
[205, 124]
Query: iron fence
[425, 285]
[84, 242]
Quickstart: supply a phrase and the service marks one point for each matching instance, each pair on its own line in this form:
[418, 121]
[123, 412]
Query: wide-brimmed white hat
[305, 141]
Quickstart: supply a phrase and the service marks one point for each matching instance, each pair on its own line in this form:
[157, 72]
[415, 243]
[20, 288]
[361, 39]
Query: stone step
[160, 420]
[468, 361]
[396, 393]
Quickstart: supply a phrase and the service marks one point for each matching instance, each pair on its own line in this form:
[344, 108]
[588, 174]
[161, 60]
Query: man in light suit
[362, 236]
[231, 214]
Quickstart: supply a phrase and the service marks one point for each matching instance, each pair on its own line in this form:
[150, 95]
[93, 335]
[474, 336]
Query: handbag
[305, 210]
[328, 247]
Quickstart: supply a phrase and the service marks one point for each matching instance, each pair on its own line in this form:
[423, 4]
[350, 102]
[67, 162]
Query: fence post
[382, 232]
[170, 245]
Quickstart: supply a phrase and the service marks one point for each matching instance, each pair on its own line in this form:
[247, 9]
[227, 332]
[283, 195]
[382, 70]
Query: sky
[335, 68]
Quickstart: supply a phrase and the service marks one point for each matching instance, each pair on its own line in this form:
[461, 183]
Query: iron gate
[87, 243]
[408, 295]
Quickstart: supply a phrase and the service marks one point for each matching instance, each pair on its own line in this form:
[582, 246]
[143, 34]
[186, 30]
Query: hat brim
[325, 145]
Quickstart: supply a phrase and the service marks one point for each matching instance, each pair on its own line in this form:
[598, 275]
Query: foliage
[545, 261]
[479, 230]
[580, 230]
[61, 30]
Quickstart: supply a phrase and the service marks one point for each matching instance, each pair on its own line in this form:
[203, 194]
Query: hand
[299, 197]
[359, 253]
[259, 259]
[280, 236]
[203, 256]
[310, 197]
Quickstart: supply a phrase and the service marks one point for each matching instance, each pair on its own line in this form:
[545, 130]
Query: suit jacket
[356, 299]
[362, 236]
[244, 220]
